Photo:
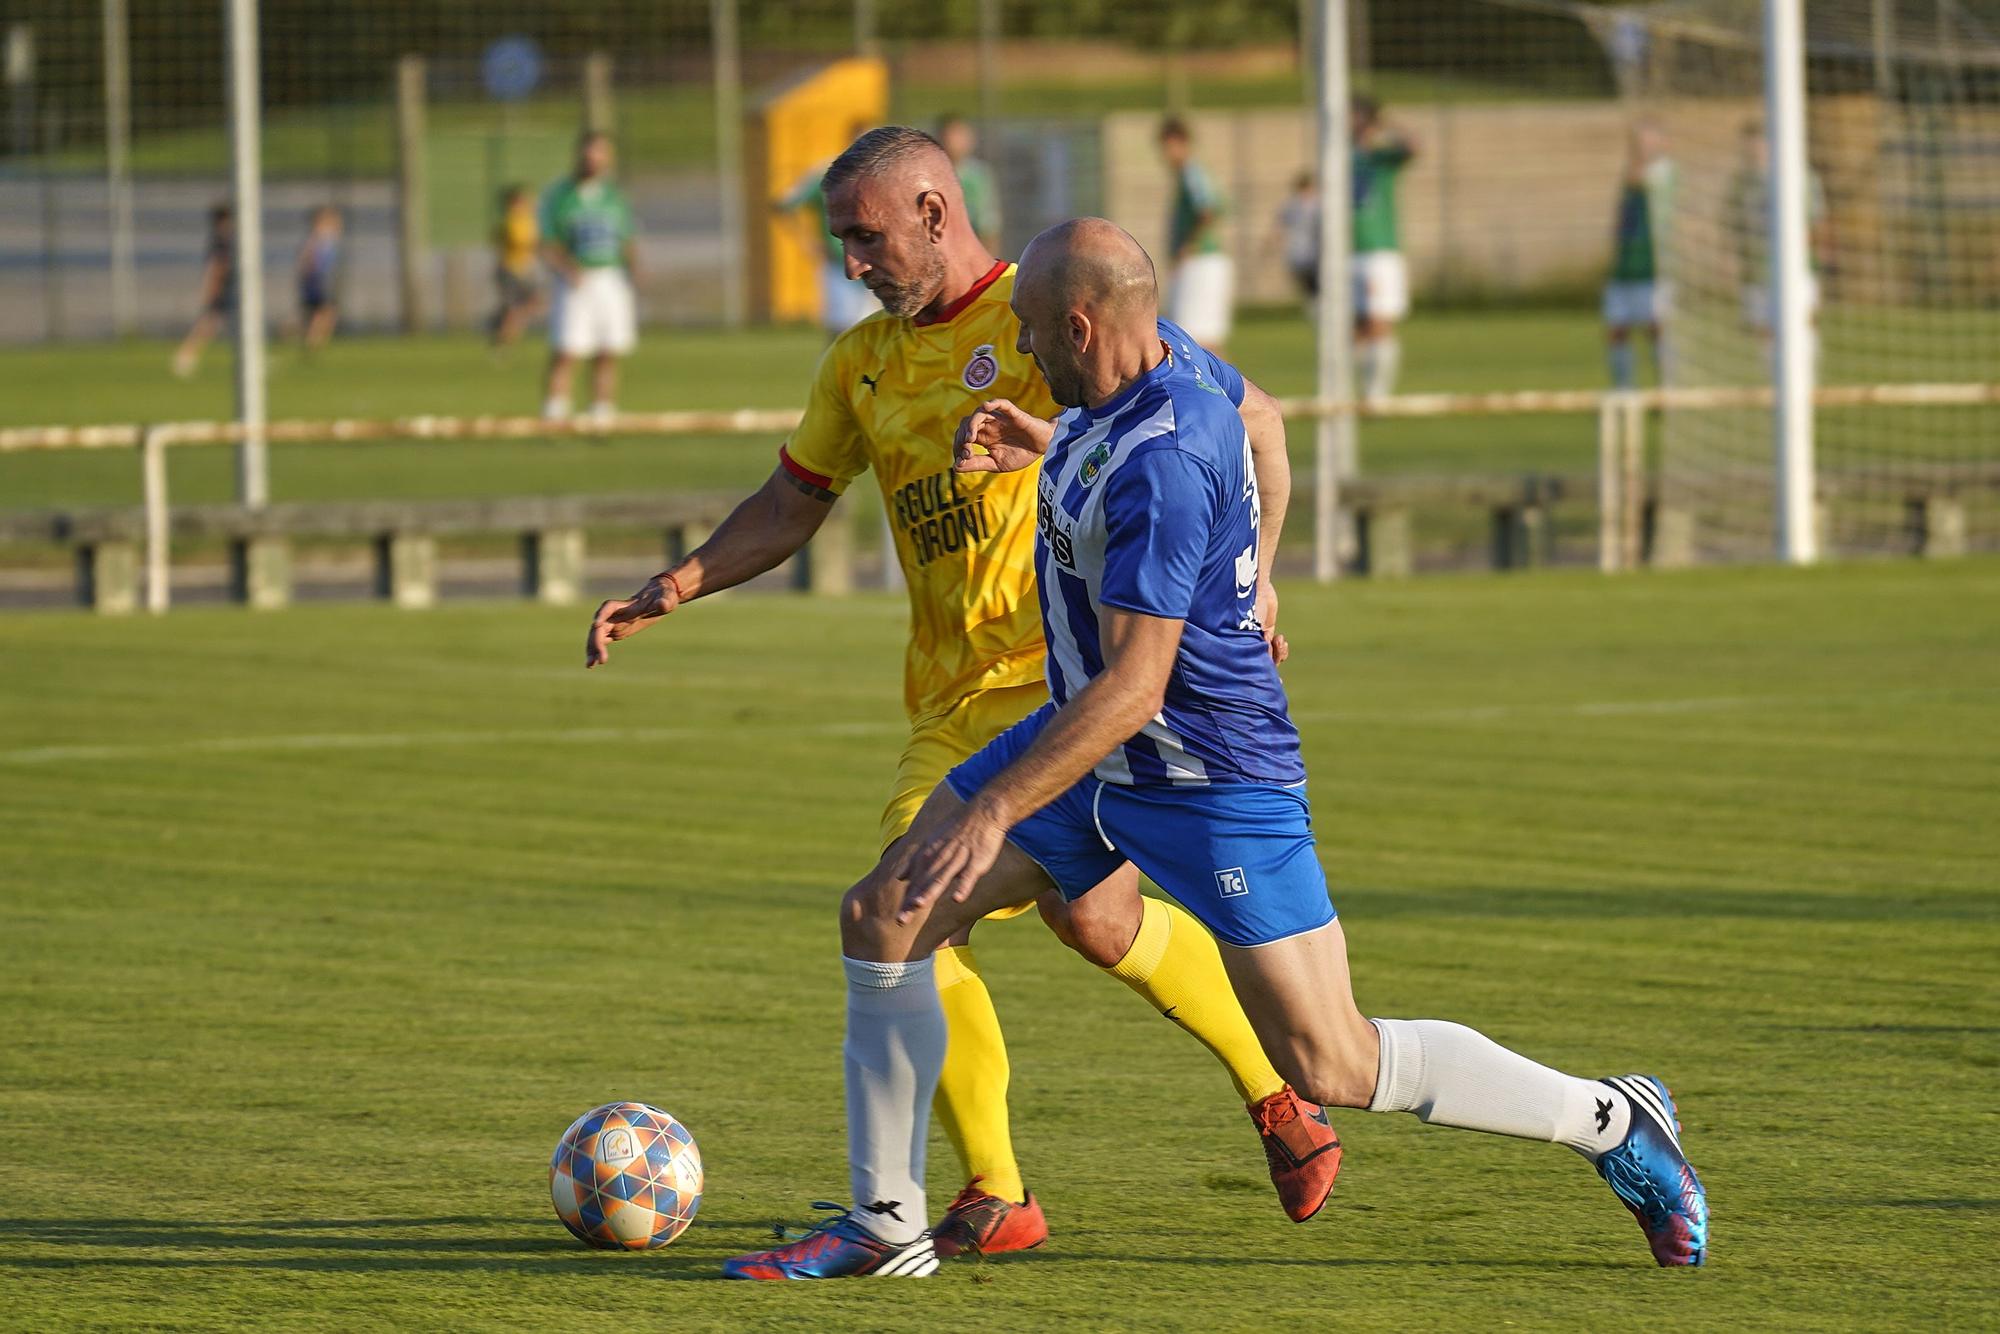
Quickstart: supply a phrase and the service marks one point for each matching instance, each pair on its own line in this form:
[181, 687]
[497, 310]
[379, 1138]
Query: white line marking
[567, 736]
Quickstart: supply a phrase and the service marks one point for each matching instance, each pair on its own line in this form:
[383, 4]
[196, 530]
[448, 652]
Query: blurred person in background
[590, 242]
[1201, 281]
[1295, 233]
[218, 290]
[975, 178]
[317, 268]
[1637, 297]
[1746, 220]
[516, 238]
[843, 301]
[1381, 278]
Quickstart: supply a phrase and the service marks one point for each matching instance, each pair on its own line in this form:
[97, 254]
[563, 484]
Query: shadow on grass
[305, 1246]
[457, 1242]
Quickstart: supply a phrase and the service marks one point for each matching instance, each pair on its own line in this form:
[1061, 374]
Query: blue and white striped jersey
[1149, 504]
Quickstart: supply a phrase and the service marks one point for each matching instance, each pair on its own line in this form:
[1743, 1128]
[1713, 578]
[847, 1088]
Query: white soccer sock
[1387, 360]
[1624, 366]
[555, 409]
[1365, 358]
[894, 1051]
[1450, 1075]
[603, 410]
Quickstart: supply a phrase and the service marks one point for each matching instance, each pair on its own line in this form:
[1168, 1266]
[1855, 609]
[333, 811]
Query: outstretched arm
[1139, 653]
[758, 534]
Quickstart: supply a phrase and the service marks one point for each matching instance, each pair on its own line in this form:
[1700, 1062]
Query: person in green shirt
[1381, 277]
[975, 178]
[1201, 276]
[1746, 221]
[590, 243]
[1636, 297]
[843, 301]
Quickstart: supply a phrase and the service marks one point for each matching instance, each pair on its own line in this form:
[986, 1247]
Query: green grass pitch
[317, 929]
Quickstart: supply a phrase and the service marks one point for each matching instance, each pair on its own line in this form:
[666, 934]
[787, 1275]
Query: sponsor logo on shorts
[983, 369]
[1232, 884]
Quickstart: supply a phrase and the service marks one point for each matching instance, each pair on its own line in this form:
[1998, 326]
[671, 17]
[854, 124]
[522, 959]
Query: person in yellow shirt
[888, 396]
[516, 239]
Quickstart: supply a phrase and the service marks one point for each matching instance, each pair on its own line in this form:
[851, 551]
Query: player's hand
[949, 863]
[621, 618]
[1011, 438]
[1267, 616]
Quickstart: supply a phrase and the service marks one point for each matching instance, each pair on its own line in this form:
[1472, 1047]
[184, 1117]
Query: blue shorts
[1238, 856]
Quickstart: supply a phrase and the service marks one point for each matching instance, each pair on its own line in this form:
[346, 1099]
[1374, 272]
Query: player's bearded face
[887, 247]
[908, 271]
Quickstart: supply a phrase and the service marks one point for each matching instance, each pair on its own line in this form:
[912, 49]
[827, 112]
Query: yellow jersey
[889, 395]
[516, 238]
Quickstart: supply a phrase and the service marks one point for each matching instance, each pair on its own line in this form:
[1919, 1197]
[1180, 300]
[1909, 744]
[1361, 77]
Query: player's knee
[868, 918]
[1055, 916]
[1102, 940]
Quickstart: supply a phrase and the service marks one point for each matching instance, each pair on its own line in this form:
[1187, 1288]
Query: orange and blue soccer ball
[626, 1176]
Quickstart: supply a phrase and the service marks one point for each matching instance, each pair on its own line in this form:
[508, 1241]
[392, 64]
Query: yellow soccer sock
[1174, 964]
[972, 1090]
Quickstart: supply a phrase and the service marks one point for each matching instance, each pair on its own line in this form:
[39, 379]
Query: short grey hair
[878, 151]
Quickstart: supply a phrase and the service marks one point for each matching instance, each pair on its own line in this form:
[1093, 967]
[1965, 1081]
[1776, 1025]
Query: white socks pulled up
[894, 1052]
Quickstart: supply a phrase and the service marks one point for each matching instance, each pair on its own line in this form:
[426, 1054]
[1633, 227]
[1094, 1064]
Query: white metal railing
[1620, 456]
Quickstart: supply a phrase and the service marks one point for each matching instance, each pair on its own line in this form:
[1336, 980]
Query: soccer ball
[626, 1176]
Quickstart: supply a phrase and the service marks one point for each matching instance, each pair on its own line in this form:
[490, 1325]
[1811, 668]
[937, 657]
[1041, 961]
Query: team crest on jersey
[1093, 463]
[983, 369]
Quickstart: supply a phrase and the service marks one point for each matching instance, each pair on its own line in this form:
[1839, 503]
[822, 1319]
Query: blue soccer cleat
[1653, 1178]
[838, 1247]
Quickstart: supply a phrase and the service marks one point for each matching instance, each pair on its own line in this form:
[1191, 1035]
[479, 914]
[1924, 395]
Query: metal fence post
[153, 485]
[118, 168]
[247, 173]
[1610, 475]
[412, 204]
[729, 153]
[1334, 448]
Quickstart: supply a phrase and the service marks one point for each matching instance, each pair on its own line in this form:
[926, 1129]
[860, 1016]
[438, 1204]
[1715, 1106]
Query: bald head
[1094, 265]
[893, 200]
[1088, 303]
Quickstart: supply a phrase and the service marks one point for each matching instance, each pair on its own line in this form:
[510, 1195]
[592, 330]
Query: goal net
[1903, 140]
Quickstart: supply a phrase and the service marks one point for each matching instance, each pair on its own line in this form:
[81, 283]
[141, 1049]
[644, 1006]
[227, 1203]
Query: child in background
[218, 290]
[515, 240]
[318, 266]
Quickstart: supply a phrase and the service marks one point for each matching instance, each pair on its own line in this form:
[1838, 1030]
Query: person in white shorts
[1636, 298]
[1201, 286]
[589, 241]
[1381, 280]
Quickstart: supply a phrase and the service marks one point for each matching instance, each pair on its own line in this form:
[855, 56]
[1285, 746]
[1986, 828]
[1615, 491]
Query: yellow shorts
[946, 739]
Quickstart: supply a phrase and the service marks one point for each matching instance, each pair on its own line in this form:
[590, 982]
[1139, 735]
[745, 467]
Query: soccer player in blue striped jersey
[1166, 743]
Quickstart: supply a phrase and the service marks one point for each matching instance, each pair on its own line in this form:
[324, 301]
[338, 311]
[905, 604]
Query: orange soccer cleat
[988, 1224]
[1302, 1149]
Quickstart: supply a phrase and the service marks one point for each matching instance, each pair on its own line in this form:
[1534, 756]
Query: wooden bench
[403, 537]
[1518, 506]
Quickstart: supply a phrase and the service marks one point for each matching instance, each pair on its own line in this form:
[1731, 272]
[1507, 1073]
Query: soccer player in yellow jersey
[888, 396]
